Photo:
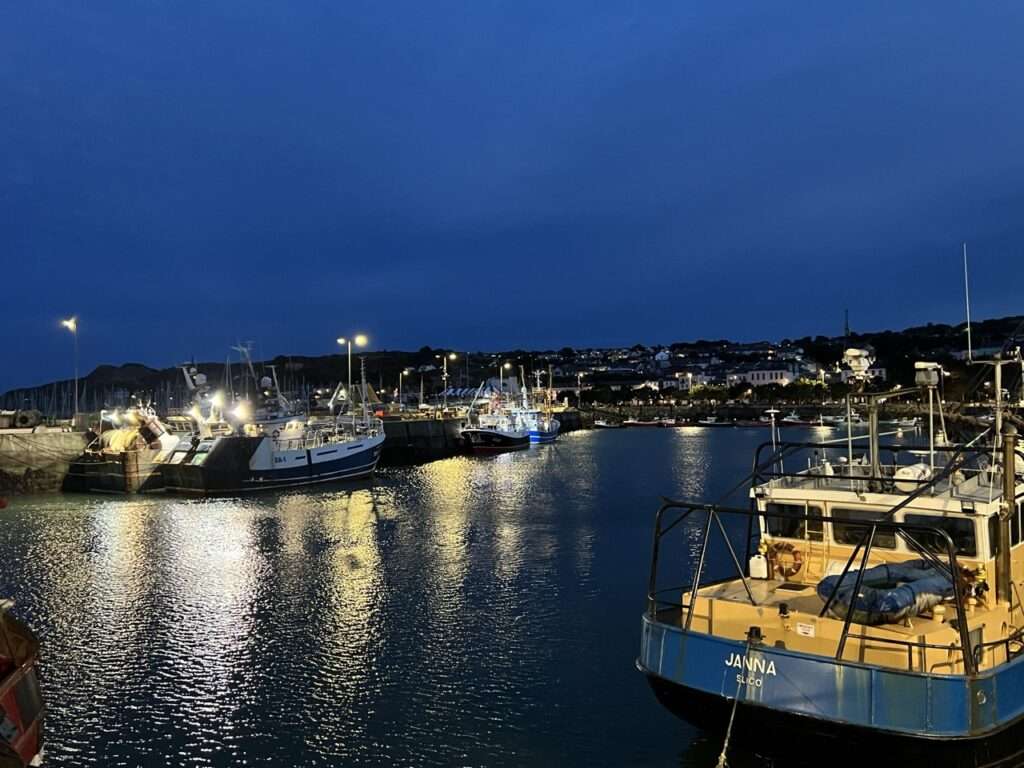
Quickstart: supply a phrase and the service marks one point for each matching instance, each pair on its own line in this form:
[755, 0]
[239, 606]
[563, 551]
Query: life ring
[787, 558]
[275, 434]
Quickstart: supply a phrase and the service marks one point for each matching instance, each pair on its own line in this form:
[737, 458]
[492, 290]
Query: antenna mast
[967, 300]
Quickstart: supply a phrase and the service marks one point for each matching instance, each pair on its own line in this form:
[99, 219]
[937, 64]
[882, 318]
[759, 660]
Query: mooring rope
[722, 762]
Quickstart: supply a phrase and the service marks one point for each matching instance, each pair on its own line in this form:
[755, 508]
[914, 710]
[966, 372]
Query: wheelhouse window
[789, 521]
[960, 530]
[848, 528]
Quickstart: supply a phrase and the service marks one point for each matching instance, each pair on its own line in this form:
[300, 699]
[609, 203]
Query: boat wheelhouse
[870, 598]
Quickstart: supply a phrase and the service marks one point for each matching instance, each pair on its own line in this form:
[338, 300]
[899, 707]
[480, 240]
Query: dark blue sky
[498, 174]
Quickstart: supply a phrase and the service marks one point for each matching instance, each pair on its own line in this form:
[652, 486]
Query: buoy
[3, 503]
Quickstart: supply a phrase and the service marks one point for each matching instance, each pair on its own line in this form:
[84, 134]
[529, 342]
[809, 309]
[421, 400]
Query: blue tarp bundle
[888, 593]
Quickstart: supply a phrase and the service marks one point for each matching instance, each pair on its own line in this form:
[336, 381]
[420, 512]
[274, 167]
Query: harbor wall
[36, 462]
[412, 441]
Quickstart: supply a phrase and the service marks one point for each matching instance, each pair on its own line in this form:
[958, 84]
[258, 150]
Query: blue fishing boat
[859, 605]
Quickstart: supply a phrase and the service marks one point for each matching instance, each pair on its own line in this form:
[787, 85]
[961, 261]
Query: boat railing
[860, 476]
[910, 533]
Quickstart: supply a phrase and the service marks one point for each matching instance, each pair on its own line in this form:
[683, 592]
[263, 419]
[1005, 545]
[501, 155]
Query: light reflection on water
[469, 611]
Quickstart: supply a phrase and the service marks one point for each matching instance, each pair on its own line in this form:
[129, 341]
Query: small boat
[667, 421]
[641, 423]
[714, 421]
[602, 424]
[21, 701]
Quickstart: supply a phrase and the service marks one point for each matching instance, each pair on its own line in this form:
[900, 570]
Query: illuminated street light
[361, 341]
[72, 325]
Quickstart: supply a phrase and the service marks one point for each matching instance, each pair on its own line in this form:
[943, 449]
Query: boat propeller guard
[888, 593]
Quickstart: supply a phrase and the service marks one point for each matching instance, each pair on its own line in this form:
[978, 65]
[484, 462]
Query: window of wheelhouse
[790, 521]
[846, 531]
[1015, 525]
[960, 530]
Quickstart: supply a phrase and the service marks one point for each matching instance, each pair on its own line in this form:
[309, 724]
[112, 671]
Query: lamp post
[445, 359]
[501, 384]
[360, 341]
[72, 325]
[401, 375]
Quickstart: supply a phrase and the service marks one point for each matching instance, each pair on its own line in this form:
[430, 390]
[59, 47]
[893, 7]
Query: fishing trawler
[495, 426]
[537, 417]
[872, 600]
[21, 702]
[274, 447]
[123, 455]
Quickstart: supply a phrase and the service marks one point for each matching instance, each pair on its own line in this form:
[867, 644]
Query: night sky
[492, 175]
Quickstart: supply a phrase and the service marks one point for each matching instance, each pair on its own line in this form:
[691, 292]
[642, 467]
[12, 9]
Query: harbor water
[470, 611]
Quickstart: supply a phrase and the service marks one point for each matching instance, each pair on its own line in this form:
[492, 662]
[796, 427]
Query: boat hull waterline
[238, 465]
[699, 677]
[484, 440]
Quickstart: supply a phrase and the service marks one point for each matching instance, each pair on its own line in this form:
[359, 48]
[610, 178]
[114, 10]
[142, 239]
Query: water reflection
[469, 611]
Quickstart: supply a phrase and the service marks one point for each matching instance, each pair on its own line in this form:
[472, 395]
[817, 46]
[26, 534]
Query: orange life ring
[787, 558]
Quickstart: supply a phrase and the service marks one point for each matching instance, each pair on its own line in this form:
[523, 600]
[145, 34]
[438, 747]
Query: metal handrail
[871, 528]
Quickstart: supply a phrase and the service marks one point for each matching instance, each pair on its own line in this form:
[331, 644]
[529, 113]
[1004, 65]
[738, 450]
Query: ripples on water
[472, 611]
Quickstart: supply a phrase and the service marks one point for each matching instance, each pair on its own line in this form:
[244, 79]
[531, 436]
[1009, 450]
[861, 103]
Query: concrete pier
[36, 461]
[414, 441]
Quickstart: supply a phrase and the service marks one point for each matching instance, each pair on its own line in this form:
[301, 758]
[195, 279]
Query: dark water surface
[472, 611]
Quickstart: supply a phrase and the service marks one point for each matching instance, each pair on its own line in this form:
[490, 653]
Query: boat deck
[802, 600]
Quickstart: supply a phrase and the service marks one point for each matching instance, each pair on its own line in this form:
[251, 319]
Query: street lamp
[401, 375]
[446, 358]
[360, 341]
[72, 325]
[501, 384]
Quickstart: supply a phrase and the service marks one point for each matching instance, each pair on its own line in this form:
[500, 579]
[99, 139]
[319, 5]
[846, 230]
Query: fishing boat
[494, 425]
[871, 603]
[123, 455]
[603, 424]
[274, 447]
[642, 423]
[541, 427]
[497, 431]
[21, 701]
[714, 421]
[537, 416]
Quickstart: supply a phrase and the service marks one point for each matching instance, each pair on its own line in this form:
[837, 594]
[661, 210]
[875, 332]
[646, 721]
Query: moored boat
[603, 424]
[21, 701]
[496, 432]
[870, 602]
[642, 423]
